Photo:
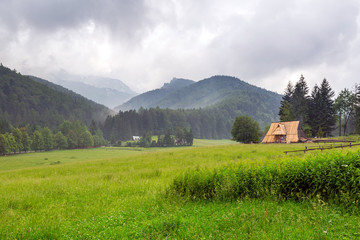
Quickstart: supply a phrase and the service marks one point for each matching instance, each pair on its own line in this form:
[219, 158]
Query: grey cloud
[146, 42]
[124, 17]
[289, 35]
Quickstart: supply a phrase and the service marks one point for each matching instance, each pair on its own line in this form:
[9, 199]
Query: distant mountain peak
[107, 91]
[177, 83]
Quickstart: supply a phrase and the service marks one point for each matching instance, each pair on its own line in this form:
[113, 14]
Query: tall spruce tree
[316, 113]
[285, 112]
[328, 111]
[300, 101]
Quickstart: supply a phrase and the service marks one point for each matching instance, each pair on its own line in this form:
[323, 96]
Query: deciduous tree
[245, 130]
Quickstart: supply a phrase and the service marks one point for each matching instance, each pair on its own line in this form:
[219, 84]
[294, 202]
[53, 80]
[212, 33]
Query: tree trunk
[339, 124]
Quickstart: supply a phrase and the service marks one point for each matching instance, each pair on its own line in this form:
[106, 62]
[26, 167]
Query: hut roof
[292, 130]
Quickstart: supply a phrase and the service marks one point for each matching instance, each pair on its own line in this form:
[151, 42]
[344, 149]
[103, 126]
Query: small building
[285, 132]
[136, 138]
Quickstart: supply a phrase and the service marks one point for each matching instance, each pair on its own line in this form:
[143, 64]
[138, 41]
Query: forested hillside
[25, 101]
[208, 107]
[213, 122]
[208, 92]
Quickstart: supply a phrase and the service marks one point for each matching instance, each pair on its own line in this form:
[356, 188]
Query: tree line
[68, 135]
[318, 112]
[204, 123]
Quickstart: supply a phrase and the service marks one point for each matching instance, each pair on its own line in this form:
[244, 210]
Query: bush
[332, 177]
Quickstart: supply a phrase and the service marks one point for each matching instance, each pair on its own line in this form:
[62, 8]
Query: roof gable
[279, 130]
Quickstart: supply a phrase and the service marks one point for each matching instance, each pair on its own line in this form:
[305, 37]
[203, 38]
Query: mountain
[209, 107]
[31, 100]
[151, 98]
[107, 91]
[214, 92]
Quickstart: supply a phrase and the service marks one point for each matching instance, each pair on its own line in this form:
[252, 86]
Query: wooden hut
[285, 132]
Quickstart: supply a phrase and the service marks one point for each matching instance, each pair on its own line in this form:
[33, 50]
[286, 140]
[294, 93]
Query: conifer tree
[300, 101]
[315, 111]
[285, 112]
[328, 111]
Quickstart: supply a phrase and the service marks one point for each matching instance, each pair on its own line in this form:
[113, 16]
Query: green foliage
[345, 105]
[300, 101]
[285, 111]
[3, 146]
[331, 177]
[76, 136]
[5, 126]
[25, 140]
[145, 140]
[245, 130]
[314, 112]
[37, 141]
[60, 141]
[48, 138]
[18, 139]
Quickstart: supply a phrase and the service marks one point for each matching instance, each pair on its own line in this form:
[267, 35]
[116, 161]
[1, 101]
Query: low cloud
[144, 43]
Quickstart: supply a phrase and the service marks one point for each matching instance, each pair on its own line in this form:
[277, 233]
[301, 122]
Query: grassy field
[118, 193]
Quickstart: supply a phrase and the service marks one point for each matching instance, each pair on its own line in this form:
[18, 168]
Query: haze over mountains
[107, 91]
[216, 90]
[30, 100]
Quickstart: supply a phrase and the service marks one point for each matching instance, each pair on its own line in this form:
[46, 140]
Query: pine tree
[316, 109]
[300, 101]
[285, 112]
[328, 111]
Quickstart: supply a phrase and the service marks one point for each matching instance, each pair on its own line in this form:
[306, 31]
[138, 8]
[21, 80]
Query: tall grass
[331, 177]
[117, 193]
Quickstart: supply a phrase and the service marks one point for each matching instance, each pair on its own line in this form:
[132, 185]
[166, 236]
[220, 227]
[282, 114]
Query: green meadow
[121, 193]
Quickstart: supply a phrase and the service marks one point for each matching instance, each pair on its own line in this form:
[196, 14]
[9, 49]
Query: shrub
[332, 177]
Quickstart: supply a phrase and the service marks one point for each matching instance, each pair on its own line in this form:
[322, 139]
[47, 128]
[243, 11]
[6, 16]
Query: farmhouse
[136, 138]
[285, 132]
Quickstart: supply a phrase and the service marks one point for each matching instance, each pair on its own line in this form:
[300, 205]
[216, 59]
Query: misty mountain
[218, 99]
[151, 98]
[26, 101]
[107, 91]
[187, 94]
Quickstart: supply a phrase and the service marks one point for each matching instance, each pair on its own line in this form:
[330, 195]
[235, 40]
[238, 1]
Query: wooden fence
[324, 148]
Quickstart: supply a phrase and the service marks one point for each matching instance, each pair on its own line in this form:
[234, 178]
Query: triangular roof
[279, 130]
[292, 130]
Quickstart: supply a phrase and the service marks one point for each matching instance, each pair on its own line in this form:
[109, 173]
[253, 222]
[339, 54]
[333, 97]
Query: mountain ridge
[203, 93]
[24, 100]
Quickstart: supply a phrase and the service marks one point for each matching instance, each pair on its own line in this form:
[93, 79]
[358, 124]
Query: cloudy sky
[145, 43]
